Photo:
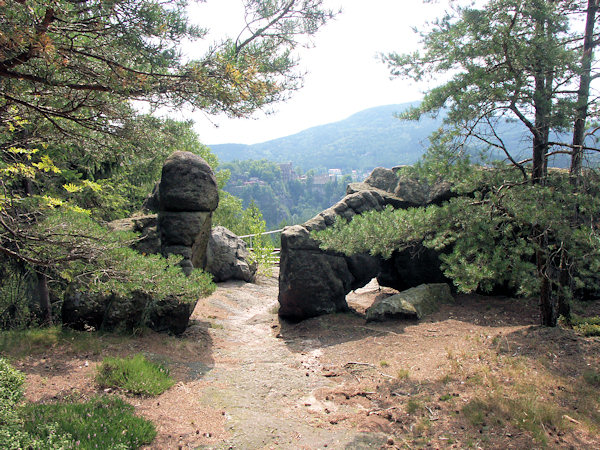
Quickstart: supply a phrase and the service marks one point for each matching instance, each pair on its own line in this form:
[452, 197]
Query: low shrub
[587, 326]
[102, 422]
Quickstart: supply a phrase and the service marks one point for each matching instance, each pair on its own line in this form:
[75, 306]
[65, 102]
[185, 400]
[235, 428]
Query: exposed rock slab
[413, 303]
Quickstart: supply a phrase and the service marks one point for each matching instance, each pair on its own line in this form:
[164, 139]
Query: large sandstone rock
[413, 303]
[188, 194]
[187, 184]
[314, 282]
[113, 312]
[227, 257]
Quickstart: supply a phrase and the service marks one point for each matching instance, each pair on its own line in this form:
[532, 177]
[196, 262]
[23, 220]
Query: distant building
[253, 181]
[321, 179]
[335, 173]
[287, 172]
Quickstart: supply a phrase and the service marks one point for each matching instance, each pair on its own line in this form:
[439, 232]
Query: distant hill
[370, 138]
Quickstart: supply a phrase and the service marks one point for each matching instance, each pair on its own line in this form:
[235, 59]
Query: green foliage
[11, 383]
[107, 264]
[72, 141]
[281, 201]
[135, 375]
[262, 246]
[487, 237]
[102, 422]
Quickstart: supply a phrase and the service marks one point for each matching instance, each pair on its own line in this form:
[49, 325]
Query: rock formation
[187, 196]
[314, 282]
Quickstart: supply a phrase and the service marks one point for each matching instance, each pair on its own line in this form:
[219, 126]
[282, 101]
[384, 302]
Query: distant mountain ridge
[370, 138]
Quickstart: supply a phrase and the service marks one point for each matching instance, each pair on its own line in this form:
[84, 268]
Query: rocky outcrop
[187, 196]
[314, 282]
[227, 257]
[113, 312]
[413, 303]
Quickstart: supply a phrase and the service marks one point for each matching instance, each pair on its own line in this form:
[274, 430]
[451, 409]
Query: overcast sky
[344, 74]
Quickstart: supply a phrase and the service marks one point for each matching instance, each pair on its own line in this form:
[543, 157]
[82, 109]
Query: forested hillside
[283, 199]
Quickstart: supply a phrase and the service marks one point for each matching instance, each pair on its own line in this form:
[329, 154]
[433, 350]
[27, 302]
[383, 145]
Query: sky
[344, 74]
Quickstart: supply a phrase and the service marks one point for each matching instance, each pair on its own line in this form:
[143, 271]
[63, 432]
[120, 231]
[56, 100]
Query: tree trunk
[564, 287]
[44, 294]
[548, 310]
[583, 93]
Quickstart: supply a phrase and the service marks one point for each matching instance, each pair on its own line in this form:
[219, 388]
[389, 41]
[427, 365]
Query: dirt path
[264, 387]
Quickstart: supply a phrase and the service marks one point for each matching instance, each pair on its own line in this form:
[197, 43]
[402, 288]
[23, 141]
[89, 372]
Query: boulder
[312, 281]
[422, 193]
[413, 303]
[382, 178]
[183, 227]
[113, 312]
[151, 203]
[227, 257]
[187, 184]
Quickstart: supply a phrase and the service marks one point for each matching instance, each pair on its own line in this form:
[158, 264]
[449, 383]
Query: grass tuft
[403, 374]
[136, 375]
[523, 412]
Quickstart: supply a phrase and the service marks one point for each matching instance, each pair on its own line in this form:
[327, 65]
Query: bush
[136, 375]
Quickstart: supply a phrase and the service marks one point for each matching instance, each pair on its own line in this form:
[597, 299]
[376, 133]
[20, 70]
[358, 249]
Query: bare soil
[247, 380]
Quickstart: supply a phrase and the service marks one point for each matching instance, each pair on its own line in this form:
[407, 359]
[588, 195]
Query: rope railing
[276, 251]
[259, 234]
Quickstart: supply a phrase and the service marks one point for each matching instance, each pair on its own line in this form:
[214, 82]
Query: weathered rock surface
[227, 257]
[113, 312]
[314, 282]
[187, 184]
[187, 196]
[413, 303]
